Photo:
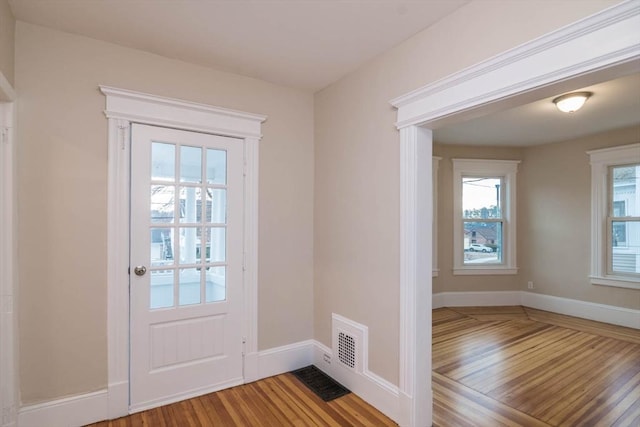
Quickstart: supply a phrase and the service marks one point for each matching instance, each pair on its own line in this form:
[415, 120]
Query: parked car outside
[477, 247]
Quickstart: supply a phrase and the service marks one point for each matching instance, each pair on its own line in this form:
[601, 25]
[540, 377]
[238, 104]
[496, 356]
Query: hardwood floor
[275, 402]
[517, 366]
[492, 366]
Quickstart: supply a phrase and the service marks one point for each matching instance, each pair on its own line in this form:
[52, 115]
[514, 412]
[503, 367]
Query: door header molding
[176, 113]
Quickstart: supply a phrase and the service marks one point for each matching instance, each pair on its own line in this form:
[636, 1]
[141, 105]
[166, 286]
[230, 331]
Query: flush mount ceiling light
[571, 102]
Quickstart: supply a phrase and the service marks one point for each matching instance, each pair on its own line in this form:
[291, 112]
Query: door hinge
[4, 134]
[244, 345]
[123, 127]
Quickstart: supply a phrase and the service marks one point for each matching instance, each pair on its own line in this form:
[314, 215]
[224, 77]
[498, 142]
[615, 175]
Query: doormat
[320, 383]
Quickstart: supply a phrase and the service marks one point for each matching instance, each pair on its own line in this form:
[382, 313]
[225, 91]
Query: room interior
[546, 140]
[315, 234]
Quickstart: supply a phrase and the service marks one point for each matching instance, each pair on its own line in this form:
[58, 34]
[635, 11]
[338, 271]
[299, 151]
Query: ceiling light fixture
[571, 102]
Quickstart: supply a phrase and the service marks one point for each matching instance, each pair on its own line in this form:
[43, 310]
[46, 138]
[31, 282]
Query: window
[615, 216]
[484, 231]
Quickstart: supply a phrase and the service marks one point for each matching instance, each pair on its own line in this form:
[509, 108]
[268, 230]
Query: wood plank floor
[492, 366]
[273, 402]
[515, 366]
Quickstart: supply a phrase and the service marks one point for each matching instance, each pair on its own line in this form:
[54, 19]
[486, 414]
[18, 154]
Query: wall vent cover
[349, 343]
[347, 350]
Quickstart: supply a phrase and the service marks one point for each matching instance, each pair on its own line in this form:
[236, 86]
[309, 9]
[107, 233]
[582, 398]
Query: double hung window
[615, 216]
[485, 223]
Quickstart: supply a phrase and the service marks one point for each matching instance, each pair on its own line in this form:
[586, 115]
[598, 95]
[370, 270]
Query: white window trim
[600, 161]
[486, 168]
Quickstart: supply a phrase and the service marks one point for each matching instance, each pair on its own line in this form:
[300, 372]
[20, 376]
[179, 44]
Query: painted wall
[357, 159]
[446, 281]
[555, 225]
[62, 189]
[7, 41]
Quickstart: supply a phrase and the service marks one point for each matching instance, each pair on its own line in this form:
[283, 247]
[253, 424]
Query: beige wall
[7, 30]
[357, 158]
[446, 281]
[555, 215]
[62, 207]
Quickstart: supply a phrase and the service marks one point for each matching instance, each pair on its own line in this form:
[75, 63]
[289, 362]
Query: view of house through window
[482, 219]
[624, 220]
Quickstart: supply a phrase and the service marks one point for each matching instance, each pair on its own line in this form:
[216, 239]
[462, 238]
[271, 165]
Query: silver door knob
[140, 270]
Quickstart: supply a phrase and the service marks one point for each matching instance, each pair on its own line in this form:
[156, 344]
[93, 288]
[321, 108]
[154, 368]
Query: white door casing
[186, 265]
[124, 107]
[598, 48]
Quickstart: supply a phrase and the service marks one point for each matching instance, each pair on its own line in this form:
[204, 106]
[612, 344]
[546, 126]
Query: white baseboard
[107, 404]
[571, 307]
[68, 412]
[437, 300]
[376, 391]
[283, 359]
[583, 309]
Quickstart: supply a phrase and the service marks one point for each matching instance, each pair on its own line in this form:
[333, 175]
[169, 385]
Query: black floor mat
[320, 383]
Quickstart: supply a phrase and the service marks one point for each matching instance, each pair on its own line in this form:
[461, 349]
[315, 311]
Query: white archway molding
[600, 47]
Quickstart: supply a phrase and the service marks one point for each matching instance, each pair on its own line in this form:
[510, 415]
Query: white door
[186, 264]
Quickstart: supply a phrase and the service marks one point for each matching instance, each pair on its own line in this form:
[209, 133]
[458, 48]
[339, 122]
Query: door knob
[140, 270]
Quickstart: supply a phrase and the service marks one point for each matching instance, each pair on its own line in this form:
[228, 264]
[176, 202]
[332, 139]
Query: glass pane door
[188, 225]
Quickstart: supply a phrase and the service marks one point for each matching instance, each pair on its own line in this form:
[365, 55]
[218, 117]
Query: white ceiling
[306, 44]
[614, 104]
[309, 44]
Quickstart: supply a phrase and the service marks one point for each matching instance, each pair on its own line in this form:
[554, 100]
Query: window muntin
[623, 221]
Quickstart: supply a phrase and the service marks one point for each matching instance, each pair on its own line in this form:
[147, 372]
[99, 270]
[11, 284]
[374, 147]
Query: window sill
[483, 271]
[618, 282]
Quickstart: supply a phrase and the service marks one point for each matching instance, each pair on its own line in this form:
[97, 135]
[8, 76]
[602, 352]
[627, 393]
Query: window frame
[601, 161]
[507, 170]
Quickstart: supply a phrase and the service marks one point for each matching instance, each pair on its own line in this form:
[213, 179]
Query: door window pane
[161, 247]
[216, 244]
[216, 166]
[189, 287]
[162, 203]
[482, 242]
[163, 165]
[481, 197]
[190, 164]
[161, 289]
[190, 205]
[189, 245]
[216, 205]
[216, 287]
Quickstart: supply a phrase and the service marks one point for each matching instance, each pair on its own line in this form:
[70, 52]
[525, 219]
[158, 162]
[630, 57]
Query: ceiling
[614, 104]
[306, 44]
